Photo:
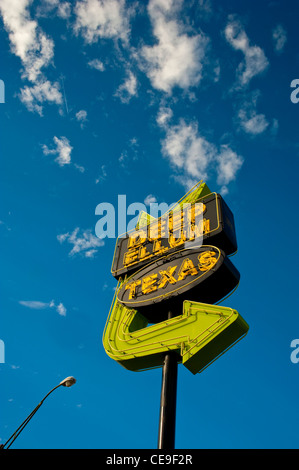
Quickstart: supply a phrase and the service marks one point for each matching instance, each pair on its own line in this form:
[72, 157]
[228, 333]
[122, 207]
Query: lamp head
[68, 381]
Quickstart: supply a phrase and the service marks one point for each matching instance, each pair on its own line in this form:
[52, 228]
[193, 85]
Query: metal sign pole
[166, 438]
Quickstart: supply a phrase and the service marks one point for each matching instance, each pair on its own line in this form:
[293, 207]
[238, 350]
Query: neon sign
[161, 267]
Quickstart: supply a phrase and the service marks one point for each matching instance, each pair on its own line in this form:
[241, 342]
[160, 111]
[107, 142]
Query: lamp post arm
[26, 421]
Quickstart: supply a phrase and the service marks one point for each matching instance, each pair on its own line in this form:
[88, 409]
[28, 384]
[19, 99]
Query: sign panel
[172, 276]
[208, 219]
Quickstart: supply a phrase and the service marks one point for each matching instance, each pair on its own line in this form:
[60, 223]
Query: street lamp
[67, 382]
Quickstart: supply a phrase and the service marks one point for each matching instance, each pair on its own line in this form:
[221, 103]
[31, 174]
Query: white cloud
[102, 19]
[195, 158]
[4, 225]
[249, 120]
[90, 253]
[44, 91]
[35, 50]
[79, 167]
[205, 9]
[228, 165]
[128, 88]
[275, 126]
[62, 149]
[223, 190]
[35, 304]
[130, 154]
[38, 305]
[150, 199]
[61, 309]
[62, 237]
[96, 64]
[64, 10]
[279, 37]
[255, 61]
[102, 175]
[164, 116]
[83, 242]
[253, 123]
[81, 117]
[28, 42]
[176, 59]
[187, 150]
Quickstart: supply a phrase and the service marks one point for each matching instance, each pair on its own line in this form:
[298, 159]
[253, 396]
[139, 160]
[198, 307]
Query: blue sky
[143, 99]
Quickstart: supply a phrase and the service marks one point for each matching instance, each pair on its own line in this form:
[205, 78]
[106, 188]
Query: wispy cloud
[150, 199]
[4, 225]
[61, 309]
[62, 149]
[193, 157]
[81, 117]
[35, 50]
[44, 91]
[102, 175]
[128, 88]
[38, 305]
[35, 304]
[102, 19]
[28, 41]
[205, 9]
[228, 164]
[279, 36]
[249, 120]
[164, 115]
[130, 154]
[187, 150]
[96, 64]
[83, 241]
[62, 9]
[177, 58]
[255, 62]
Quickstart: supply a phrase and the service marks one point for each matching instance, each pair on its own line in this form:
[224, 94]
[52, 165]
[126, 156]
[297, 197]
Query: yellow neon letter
[167, 276]
[149, 284]
[132, 286]
[207, 260]
[186, 269]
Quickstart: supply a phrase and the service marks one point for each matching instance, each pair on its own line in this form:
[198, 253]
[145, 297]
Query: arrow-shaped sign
[199, 335]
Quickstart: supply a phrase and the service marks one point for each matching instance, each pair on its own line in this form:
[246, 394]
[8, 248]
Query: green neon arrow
[199, 336]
